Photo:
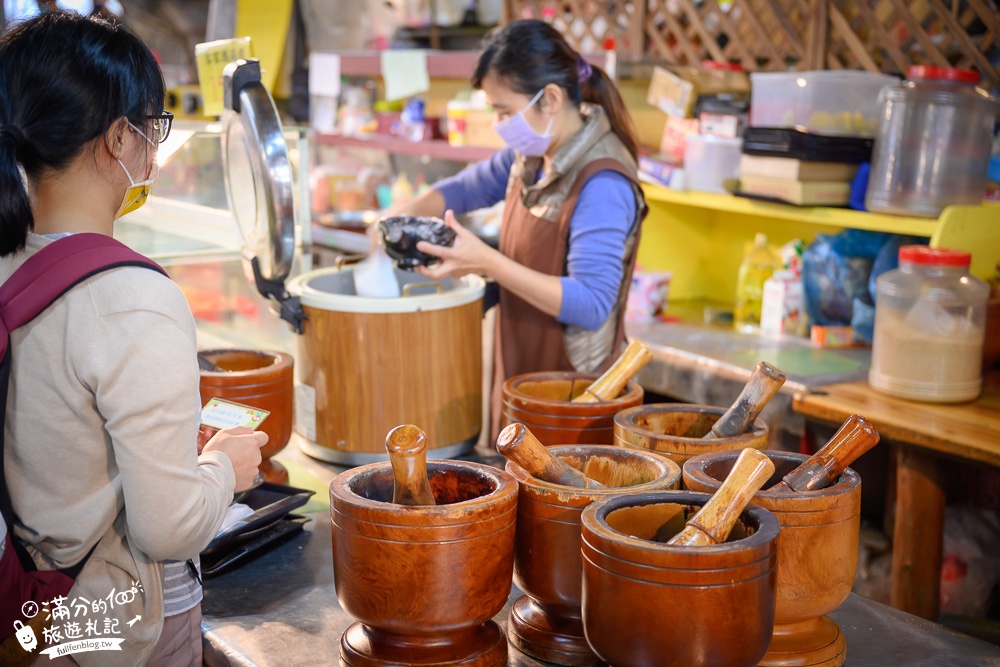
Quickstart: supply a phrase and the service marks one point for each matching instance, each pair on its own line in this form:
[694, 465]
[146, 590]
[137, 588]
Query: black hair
[528, 55]
[64, 80]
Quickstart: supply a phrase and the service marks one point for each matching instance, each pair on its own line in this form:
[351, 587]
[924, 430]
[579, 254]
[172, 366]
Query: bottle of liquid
[758, 265]
[402, 190]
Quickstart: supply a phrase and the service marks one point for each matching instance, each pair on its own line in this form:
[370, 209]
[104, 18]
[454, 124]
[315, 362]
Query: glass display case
[188, 228]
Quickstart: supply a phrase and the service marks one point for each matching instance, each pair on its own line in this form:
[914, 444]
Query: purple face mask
[519, 135]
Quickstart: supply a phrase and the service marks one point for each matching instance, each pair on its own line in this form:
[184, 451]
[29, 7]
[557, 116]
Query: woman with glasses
[101, 457]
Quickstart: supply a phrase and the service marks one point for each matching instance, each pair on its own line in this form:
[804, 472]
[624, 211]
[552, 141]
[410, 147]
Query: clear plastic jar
[930, 323]
[933, 143]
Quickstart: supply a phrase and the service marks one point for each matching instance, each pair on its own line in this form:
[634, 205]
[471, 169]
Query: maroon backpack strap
[53, 270]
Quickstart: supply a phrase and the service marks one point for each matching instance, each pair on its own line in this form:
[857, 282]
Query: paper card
[670, 93]
[324, 74]
[212, 58]
[220, 414]
[404, 72]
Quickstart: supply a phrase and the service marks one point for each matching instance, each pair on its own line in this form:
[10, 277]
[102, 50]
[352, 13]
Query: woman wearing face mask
[573, 206]
[101, 446]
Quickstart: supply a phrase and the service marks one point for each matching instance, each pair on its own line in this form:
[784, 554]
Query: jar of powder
[930, 323]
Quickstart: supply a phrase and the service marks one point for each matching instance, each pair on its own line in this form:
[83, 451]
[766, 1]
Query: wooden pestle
[855, 437]
[519, 445]
[407, 447]
[608, 386]
[716, 518]
[764, 383]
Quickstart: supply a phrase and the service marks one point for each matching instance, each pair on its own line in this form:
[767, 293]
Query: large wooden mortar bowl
[676, 430]
[817, 556]
[261, 379]
[649, 603]
[543, 403]
[424, 582]
[546, 622]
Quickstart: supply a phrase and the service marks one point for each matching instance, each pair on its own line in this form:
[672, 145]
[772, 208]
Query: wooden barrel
[261, 379]
[675, 430]
[817, 556]
[546, 623]
[367, 365]
[424, 582]
[650, 603]
[543, 403]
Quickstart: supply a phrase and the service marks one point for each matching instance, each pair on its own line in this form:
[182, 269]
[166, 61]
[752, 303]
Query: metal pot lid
[259, 182]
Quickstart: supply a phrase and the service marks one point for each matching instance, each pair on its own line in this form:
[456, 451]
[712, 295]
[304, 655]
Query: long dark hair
[530, 54]
[64, 79]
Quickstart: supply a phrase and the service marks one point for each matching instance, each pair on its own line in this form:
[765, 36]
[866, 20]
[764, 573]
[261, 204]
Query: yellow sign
[212, 58]
[267, 23]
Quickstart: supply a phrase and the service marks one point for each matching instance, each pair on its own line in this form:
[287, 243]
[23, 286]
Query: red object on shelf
[721, 65]
[949, 73]
[435, 149]
[926, 256]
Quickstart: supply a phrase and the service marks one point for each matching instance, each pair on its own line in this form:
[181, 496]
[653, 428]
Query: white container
[782, 310]
[710, 161]
[824, 102]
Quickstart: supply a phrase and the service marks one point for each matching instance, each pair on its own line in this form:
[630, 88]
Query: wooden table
[923, 433]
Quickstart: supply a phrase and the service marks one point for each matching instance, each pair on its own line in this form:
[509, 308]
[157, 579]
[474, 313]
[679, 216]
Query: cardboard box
[479, 130]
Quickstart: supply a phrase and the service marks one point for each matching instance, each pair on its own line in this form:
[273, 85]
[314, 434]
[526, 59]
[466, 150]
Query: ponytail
[528, 55]
[601, 90]
[15, 209]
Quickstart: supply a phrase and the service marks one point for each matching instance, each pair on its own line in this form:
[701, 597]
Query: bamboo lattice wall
[777, 35]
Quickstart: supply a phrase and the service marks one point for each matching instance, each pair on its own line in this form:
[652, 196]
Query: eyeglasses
[162, 123]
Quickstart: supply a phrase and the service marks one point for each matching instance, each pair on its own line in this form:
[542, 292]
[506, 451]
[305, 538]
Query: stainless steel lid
[259, 183]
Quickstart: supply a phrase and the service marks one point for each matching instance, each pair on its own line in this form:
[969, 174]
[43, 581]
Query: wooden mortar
[546, 622]
[677, 430]
[424, 582]
[261, 379]
[817, 556]
[648, 603]
[543, 403]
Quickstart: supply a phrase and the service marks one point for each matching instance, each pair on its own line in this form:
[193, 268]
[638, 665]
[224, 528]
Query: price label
[220, 414]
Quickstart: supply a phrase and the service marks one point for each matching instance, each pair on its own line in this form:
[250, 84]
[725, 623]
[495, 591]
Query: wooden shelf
[436, 150]
[815, 215]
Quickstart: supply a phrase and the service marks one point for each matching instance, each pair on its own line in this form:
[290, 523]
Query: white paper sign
[404, 72]
[324, 74]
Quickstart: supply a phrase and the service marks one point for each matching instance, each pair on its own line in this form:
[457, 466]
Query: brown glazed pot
[424, 582]
[648, 603]
[817, 556]
[260, 379]
[542, 402]
[546, 622]
[675, 430]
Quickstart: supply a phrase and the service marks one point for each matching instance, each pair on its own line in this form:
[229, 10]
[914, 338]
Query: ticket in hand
[220, 414]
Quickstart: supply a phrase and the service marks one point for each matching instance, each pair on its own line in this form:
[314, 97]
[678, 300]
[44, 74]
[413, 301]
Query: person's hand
[242, 446]
[205, 434]
[468, 254]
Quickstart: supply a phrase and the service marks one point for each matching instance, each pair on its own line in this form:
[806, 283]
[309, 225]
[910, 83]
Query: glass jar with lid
[932, 149]
[930, 323]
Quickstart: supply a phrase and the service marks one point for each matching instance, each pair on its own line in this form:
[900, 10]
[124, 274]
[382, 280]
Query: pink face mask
[519, 135]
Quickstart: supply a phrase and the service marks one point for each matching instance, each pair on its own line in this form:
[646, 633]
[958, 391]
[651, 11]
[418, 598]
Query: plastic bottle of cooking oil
[757, 266]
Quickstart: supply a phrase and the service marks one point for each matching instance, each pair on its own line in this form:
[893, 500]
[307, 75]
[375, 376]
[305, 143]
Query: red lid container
[926, 256]
[947, 73]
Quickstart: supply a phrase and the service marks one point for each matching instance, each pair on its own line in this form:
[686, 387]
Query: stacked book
[802, 168]
[796, 181]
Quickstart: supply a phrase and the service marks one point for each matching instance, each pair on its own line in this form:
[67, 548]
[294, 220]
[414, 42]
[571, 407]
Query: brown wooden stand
[482, 646]
[917, 545]
[546, 622]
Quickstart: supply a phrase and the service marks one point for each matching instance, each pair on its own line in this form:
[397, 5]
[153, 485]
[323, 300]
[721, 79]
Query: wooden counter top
[970, 431]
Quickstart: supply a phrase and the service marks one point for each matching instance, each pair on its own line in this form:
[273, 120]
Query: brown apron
[528, 340]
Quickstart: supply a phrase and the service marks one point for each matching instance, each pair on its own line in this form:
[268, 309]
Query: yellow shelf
[812, 215]
[700, 237]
